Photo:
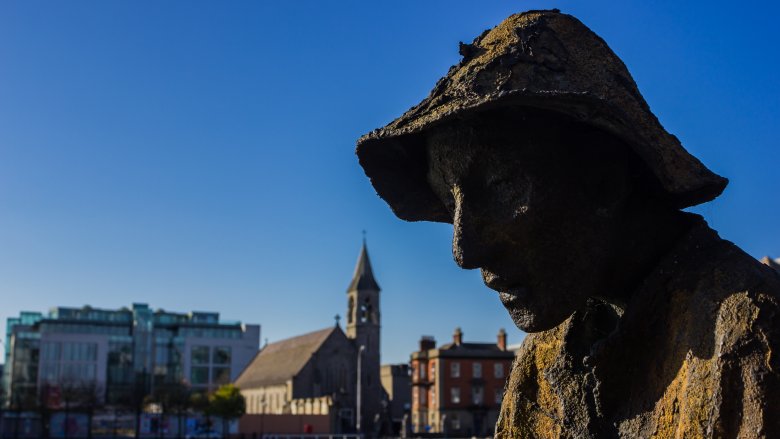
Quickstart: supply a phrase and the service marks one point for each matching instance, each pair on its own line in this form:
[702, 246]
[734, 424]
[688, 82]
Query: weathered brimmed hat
[537, 60]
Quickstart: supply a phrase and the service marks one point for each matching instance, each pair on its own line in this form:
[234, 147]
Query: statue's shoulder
[746, 295]
[740, 297]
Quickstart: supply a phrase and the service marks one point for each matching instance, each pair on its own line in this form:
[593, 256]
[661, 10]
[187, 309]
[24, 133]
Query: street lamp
[359, 393]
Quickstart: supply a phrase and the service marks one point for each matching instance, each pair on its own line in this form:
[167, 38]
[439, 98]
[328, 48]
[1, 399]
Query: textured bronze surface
[564, 190]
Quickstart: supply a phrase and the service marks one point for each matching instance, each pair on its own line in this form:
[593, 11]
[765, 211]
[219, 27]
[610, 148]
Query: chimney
[427, 342]
[457, 337]
[502, 339]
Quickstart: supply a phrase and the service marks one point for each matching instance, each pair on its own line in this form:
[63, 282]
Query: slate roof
[280, 361]
[363, 279]
[465, 350]
[486, 350]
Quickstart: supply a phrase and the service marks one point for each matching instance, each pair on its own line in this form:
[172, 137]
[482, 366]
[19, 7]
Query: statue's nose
[468, 246]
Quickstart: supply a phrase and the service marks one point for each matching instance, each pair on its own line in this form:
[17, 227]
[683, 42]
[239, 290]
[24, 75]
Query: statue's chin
[534, 321]
[534, 312]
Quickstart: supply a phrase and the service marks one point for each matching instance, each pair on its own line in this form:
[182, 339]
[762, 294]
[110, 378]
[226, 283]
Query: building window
[455, 395]
[221, 355]
[200, 355]
[78, 372]
[477, 370]
[498, 370]
[433, 396]
[433, 370]
[422, 371]
[415, 393]
[455, 369]
[220, 375]
[499, 396]
[79, 351]
[199, 375]
[455, 422]
[477, 395]
[50, 351]
[49, 372]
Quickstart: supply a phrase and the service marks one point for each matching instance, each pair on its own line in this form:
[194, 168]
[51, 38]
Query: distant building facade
[120, 350]
[774, 263]
[457, 388]
[311, 374]
[397, 383]
[316, 373]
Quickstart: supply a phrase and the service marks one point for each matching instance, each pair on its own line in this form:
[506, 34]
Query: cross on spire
[337, 318]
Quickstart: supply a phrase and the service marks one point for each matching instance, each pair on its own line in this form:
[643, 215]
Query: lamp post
[359, 379]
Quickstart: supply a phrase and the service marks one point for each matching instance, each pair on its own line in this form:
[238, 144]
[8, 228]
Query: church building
[317, 373]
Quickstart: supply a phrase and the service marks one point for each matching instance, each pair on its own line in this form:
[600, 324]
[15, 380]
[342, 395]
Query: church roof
[280, 361]
[363, 279]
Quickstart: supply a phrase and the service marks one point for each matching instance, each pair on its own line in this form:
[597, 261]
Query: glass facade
[120, 349]
[119, 368]
[68, 362]
[24, 368]
[210, 361]
[200, 355]
[221, 355]
[220, 375]
[199, 376]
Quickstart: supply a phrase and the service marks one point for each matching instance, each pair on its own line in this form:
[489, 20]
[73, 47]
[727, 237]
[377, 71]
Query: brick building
[457, 388]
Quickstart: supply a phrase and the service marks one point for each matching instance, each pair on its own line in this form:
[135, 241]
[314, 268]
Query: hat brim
[395, 157]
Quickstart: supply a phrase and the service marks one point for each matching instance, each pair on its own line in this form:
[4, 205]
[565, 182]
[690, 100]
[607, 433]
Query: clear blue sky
[200, 155]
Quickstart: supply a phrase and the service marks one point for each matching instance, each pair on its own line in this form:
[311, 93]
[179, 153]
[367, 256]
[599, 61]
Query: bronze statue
[565, 190]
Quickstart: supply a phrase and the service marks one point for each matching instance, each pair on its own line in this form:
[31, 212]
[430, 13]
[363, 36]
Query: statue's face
[536, 212]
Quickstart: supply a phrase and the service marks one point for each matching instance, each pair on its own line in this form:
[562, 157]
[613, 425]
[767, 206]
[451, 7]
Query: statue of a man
[565, 190]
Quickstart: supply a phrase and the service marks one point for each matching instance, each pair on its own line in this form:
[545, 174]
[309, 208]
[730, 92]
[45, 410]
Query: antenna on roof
[364, 236]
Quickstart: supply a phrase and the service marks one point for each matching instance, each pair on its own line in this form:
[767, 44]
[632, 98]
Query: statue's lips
[498, 283]
[513, 298]
[510, 293]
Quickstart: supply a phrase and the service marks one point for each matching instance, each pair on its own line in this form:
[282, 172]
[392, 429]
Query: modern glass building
[122, 351]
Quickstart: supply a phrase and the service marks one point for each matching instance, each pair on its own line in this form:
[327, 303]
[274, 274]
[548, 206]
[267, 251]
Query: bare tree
[172, 398]
[138, 399]
[90, 398]
[69, 399]
[45, 407]
[199, 402]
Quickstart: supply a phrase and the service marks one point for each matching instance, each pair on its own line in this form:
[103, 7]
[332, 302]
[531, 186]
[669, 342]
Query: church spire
[363, 279]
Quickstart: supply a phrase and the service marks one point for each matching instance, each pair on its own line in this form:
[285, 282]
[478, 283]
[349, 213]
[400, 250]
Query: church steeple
[363, 328]
[363, 278]
[363, 301]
